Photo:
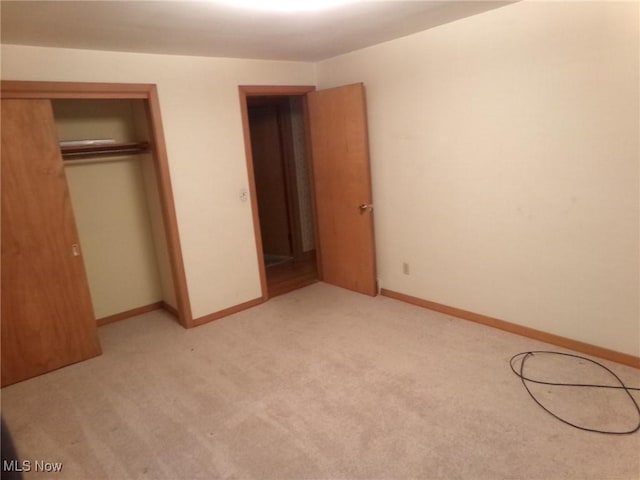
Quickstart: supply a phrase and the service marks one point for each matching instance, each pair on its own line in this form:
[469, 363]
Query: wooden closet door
[47, 314]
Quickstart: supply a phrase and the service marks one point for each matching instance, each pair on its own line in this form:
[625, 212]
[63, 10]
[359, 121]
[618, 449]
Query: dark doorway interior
[283, 191]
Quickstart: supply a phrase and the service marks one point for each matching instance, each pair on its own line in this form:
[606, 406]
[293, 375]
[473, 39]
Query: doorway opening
[283, 191]
[334, 121]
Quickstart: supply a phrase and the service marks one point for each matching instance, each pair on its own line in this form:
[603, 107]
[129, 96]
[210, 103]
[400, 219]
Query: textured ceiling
[207, 28]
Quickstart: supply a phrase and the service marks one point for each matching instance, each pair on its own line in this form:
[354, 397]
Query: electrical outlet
[405, 268]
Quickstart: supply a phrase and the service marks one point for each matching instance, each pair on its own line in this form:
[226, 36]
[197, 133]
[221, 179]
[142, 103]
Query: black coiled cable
[520, 373]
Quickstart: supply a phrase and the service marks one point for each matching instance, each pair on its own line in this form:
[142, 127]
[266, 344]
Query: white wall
[110, 208]
[505, 165]
[202, 124]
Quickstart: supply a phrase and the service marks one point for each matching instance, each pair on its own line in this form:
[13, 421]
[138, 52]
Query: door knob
[365, 207]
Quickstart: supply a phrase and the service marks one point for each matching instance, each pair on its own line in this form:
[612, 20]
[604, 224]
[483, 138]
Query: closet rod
[81, 153]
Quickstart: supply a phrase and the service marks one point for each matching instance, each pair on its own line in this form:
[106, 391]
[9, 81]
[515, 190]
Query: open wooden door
[47, 315]
[342, 179]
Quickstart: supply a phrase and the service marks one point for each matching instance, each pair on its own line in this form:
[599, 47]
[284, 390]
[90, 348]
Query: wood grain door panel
[47, 314]
[342, 180]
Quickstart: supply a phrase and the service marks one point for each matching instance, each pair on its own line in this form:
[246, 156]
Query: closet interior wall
[117, 207]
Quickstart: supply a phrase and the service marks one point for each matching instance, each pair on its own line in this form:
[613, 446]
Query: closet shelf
[112, 149]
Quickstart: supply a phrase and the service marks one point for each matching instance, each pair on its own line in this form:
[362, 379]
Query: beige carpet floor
[320, 383]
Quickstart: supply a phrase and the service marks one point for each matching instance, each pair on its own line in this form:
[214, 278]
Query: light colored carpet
[320, 383]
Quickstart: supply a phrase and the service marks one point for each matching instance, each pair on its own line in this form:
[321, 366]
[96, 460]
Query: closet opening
[283, 191]
[110, 170]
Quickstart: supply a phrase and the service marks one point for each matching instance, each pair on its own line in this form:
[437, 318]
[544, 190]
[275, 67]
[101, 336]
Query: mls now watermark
[31, 466]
